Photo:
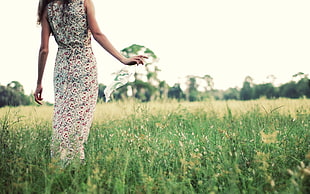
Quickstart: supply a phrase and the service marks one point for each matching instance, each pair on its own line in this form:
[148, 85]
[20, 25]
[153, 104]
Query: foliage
[265, 90]
[296, 90]
[13, 95]
[246, 92]
[176, 92]
[148, 87]
[231, 94]
[199, 89]
[292, 89]
[199, 147]
[101, 96]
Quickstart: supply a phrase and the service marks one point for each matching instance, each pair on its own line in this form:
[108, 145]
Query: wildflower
[290, 172]
[237, 169]
[262, 158]
[159, 125]
[306, 171]
[191, 164]
[269, 138]
[308, 156]
[224, 132]
[183, 161]
[272, 183]
[294, 182]
[302, 164]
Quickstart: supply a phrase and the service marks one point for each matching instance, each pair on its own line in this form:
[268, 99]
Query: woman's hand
[38, 94]
[134, 60]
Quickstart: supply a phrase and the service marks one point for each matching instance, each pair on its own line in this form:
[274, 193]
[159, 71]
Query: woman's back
[69, 23]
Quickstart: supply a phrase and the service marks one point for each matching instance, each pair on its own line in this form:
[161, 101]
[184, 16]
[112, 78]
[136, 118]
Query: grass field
[257, 146]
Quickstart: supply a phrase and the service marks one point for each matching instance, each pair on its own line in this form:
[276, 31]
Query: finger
[142, 56]
[140, 60]
[38, 98]
[137, 62]
[37, 101]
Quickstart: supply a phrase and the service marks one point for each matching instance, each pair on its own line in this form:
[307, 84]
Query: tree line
[13, 95]
[195, 91]
[148, 87]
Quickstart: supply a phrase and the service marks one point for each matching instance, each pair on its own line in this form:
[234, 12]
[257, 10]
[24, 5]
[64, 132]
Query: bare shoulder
[86, 3]
[89, 6]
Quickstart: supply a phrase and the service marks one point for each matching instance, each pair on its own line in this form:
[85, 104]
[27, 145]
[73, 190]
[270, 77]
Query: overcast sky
[226, 39]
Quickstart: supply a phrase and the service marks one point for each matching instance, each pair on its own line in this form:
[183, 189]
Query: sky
[226, 39]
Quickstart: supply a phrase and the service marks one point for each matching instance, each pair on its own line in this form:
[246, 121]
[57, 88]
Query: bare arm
[103, 40]
[43, 53]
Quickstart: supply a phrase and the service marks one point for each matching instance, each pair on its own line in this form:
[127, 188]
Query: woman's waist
[73, 46]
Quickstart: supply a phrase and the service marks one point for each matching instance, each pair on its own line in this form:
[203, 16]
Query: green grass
[165, 147]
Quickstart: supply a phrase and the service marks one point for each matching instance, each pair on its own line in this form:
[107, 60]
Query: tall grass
[165, 147]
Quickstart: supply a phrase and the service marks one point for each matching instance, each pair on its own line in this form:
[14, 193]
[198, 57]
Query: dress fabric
[75, 80]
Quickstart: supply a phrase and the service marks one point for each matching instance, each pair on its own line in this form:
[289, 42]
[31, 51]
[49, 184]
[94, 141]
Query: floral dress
[75, 80]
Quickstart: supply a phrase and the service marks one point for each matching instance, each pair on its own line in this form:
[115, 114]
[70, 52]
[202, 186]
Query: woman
[72, 22]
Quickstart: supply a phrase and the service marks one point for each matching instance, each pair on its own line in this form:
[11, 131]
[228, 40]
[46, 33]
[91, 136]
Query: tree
[298, 87]
[299, 76]
[267, 90]
[147, 81]
[246, 92]
[192, 91]
[144, 90]
[163, 90]
[13, 95]
[15, 85]
[209, 82]
[176, 92]
[101, 96]
[289, 90]
[303, 85]
[231, 94]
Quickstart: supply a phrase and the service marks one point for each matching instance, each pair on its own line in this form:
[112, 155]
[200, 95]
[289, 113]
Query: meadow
[259, 146]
